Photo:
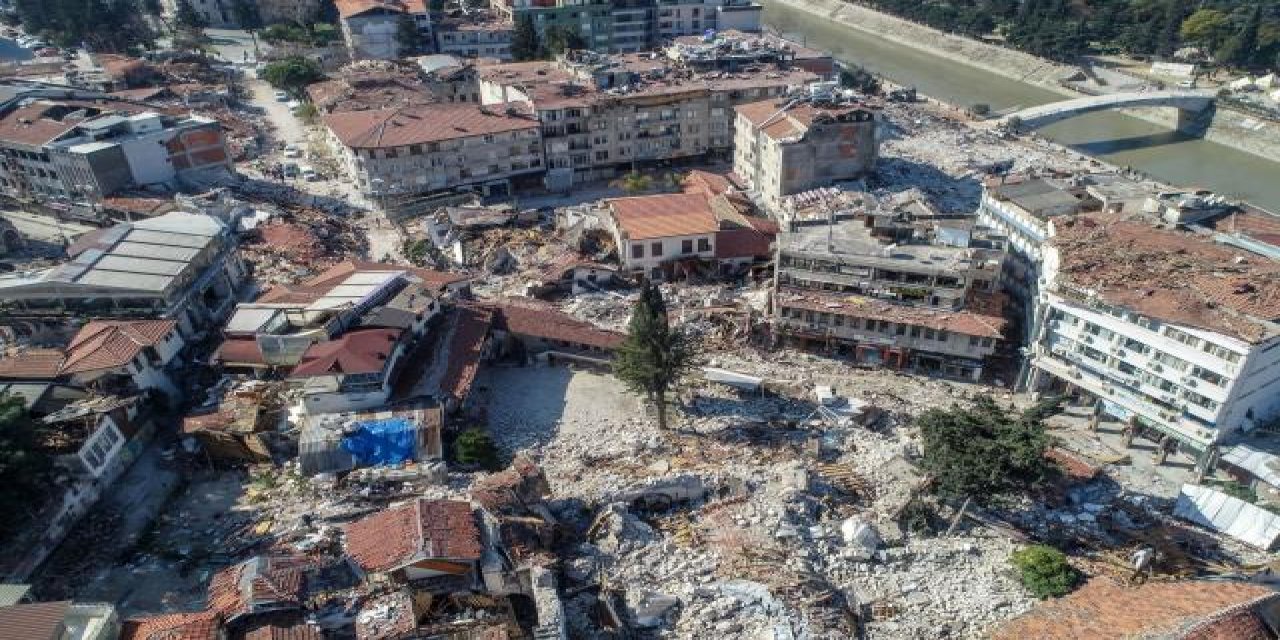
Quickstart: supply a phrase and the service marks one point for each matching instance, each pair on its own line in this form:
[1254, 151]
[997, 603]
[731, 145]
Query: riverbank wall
[1229, 128]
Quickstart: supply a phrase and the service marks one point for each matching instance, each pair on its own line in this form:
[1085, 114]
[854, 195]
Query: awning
[1235, 517]
[1264, 466]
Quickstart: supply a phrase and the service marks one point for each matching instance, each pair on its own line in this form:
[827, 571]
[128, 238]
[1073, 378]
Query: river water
[1119, 139]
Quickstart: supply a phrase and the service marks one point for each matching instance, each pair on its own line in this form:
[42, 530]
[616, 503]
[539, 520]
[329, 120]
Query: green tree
[292, 74]
[635, 182]
[1044, 571]
[1206, 27]
[984, 450]
[24, 466]
[1168, 40]
[409, 40]
[475, 446]
[186, 17]
[525, 44]
[307, 113]
[559, 39]
[653, 356]
[1240, 48]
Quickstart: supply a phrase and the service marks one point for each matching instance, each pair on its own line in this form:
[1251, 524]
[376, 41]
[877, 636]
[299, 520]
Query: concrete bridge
[1189, 104]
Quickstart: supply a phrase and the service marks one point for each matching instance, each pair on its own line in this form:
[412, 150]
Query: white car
[309, 174]
[282, 96]
[292, 151]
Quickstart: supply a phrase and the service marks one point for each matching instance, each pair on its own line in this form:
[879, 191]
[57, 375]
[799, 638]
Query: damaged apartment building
[76, 151]
[602, 115]
[1167, 330]
[629, 26]
[889, 289]
[179, 266]
[798, 143]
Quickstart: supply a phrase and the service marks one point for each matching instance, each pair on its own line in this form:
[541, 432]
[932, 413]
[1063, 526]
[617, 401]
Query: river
[1164, 154]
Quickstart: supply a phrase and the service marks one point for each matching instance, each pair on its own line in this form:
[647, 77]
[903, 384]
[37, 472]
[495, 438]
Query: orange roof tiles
[264, 583]
[1104, 609]
[32, 364]
[795, 121]
[525, 318]
[466, 345]
[106, 344]
[33, 621]
[359, 351]
[427, 123]
[711, 184]
[1173, 276]
[419, 530]
[664, 216]
[202, 625]
[743, 243]
[351, 8]
[984, 320]
[240, 351]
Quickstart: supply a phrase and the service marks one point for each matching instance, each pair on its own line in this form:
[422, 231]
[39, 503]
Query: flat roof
[132, 265]
[850, 237]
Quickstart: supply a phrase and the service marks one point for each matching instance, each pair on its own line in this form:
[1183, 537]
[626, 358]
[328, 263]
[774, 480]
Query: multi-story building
[735, 51]
[371, 27]
[1168, 330]
[396, 153]
[890, 291]
[629, 26]
[601, 114]
[475, 35]
[82, 150]
[178, 266]
[789, 145]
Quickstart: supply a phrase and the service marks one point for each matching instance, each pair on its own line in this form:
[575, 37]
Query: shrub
[1045, 571]
[474, 446]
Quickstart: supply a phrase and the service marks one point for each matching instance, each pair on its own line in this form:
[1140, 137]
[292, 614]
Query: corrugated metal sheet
[1235, 517]
[1266, 466]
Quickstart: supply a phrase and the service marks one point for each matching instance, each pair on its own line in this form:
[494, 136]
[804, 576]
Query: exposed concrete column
[1130, 430]
[1205, 463]
[1095, 415]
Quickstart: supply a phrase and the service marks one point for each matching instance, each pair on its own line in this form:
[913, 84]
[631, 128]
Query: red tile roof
[422, 529]
[359, 351]
[664, 216]
[263, 583]
[40, 621]
[107, 344]
[792, 122]
[743, 243]
[351, 8]
[299, 630]
[427, 123]
[705, 182]
[539, 321]
[1103, 608]
[32, 364]
[1174, 276]
[202, 625]
[973, 323]
[240, 351]
[466, 345]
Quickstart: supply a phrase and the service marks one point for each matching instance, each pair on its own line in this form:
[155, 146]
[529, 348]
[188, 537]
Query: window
[915, 332]
[704, 244]
[637, 250]
[655, 249]
[1182, 336]
[974, 341]
[686, 246]
[928, 334]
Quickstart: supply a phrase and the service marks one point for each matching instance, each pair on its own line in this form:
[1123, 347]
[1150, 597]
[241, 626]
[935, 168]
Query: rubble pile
[299, 242]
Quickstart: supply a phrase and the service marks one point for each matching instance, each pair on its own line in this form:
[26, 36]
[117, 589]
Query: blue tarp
[382, 442]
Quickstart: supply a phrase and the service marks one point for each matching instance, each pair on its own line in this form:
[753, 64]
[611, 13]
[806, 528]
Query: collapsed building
[889, 290]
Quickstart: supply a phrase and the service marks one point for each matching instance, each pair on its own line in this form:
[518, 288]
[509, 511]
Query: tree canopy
[985, 450]
[24, 466]
[103, 25]
[292, 74]
[653, 356]
[525, 43]
[1243, 33]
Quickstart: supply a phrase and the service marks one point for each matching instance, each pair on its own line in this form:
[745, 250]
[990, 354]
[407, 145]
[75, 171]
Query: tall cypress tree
[653, 356]
[525, 44]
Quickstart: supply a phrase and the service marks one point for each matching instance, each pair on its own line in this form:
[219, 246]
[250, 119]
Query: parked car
[282, 96]
[289, 169]
[292, 151]
[310, 174]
